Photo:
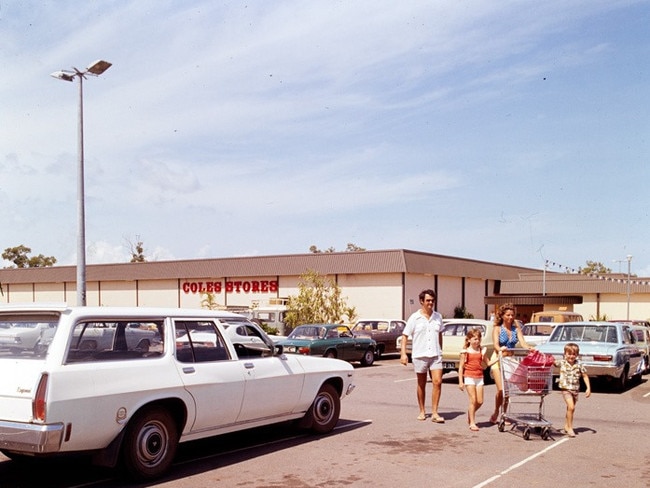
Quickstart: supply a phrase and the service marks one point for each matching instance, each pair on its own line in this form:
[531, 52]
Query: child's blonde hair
[572, 347]
[473, 333]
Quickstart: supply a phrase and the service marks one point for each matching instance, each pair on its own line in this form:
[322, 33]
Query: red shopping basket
[536, 369]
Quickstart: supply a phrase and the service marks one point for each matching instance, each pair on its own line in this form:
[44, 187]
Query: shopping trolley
[527, 377]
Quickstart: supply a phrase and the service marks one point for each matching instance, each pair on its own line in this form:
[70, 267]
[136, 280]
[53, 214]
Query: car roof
[322, 325]
[467, 321]
[379, 320]
[633, 322]
[585, 322]
[117, 311]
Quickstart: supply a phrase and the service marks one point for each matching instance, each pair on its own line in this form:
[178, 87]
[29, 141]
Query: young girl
[470, 374]
[570, 373]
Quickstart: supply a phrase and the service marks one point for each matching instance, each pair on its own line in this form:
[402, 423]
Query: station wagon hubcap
[152, 443]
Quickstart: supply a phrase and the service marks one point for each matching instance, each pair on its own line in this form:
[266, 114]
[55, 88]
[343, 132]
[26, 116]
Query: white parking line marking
[406, 379]
[520, 463]
[646, 395]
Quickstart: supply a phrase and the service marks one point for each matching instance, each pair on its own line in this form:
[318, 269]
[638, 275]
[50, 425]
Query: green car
[330, 341]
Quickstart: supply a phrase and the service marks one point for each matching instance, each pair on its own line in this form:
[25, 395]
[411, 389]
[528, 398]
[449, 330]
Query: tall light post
[629, 261]
[95, 69]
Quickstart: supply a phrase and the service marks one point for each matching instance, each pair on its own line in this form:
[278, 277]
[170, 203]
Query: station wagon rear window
[26, 336]
[199, 341]
[116, 340]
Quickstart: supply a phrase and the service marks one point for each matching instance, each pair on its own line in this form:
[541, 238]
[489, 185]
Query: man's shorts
[423, 365]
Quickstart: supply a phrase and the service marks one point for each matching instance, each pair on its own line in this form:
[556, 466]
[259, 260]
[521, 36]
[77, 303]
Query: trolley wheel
[527, 433]
[501, 426]
[546, 433]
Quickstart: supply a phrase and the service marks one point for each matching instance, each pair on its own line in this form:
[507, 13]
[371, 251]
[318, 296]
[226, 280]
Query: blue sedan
[608, 350]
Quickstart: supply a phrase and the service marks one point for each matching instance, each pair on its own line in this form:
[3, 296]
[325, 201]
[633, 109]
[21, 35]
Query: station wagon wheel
[368, 357]
[331, 353]
[323, 414]
[150, 443]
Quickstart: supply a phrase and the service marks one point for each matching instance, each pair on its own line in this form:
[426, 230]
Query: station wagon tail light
[303, 350]
[602, 357]
[39, 405]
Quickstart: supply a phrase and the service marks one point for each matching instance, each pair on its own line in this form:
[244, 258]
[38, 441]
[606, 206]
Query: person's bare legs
[436, 379]
[421, 391]
[475, 395]
[498, 398]
[570, 409]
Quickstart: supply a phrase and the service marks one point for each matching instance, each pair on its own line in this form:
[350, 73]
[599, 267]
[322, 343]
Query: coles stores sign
[252, 286]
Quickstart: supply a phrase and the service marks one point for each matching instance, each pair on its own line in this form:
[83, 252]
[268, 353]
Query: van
[556, 316]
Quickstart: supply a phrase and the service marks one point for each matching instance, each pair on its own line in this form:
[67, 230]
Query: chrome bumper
[603, 370]
[30, 438]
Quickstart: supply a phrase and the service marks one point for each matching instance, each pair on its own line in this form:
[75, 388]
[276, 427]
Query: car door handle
[249, 365]
[188, 370]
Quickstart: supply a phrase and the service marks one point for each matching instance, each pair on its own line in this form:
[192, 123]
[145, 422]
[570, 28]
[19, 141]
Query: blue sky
[511, 132]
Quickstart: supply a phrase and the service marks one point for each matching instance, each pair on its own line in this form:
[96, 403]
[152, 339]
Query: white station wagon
[128, 384]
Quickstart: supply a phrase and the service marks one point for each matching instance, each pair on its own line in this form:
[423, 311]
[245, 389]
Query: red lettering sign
[237, 286]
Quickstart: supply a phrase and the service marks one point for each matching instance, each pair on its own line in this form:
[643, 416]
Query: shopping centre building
[377, 283]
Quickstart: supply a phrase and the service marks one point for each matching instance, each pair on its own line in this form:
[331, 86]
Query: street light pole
[95, 69]
[629, 260]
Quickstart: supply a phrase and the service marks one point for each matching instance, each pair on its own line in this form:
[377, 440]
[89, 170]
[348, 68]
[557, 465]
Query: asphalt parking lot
[379, 443]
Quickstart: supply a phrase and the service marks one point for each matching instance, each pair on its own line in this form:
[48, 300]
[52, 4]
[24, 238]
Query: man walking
[424, 327]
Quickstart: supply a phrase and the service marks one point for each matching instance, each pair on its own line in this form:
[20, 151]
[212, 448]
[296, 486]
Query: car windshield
[307, 332]
[584, 333]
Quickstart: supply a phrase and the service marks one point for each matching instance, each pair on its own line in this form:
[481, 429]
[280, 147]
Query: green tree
[209, 301]
[460, 312]
[594, 267]
[318, 301]
[136, 250]
[19, 255]
[353, 247]
[315, 250]
[350, 248]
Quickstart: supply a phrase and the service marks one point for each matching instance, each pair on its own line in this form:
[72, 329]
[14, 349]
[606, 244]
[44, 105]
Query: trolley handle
[515, 351]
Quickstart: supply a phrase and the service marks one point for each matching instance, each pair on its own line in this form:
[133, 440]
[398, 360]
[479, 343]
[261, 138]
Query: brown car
[384, 331]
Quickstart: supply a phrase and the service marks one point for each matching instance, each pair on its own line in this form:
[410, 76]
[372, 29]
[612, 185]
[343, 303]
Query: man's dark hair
[424, 293]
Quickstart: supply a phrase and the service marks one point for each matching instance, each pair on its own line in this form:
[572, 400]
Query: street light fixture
[629, 260]
[95, 69]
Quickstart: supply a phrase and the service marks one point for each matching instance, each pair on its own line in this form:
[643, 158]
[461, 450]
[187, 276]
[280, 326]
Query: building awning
[533, 299]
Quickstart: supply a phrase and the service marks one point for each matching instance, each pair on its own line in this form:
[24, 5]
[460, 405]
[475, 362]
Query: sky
[513, 132]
